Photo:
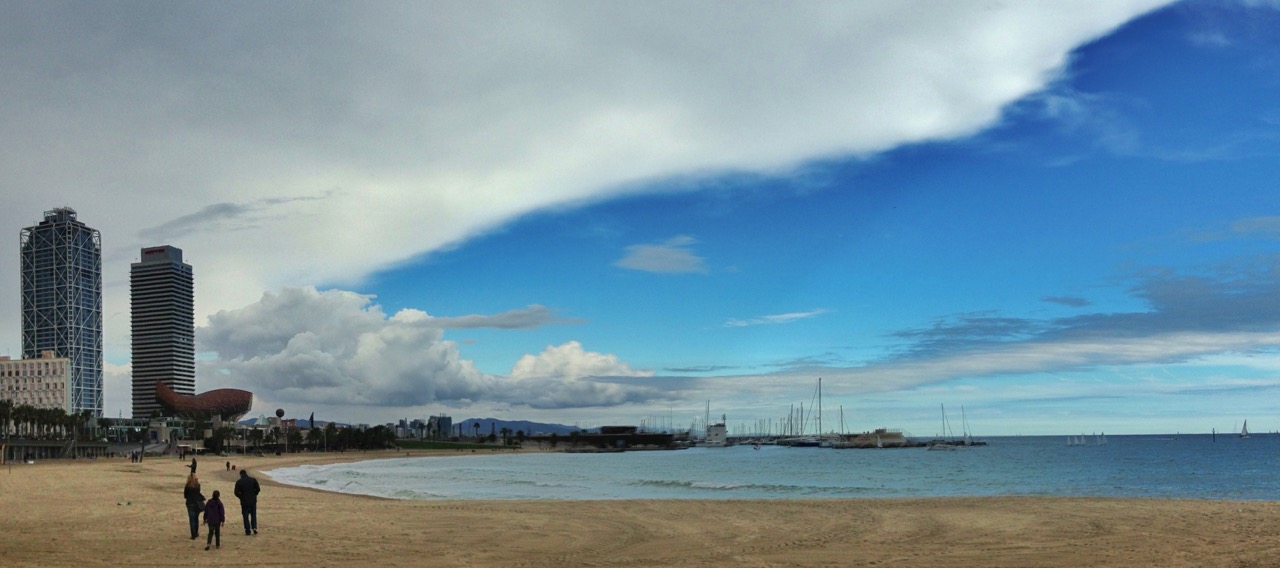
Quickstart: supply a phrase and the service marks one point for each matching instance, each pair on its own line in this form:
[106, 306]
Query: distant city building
[61, 271]
[162, 306]
[417, 428]
[44, 382]
[439, 426]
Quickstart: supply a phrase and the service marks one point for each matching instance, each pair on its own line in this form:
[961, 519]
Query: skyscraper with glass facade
[162, 304]
[61, 271]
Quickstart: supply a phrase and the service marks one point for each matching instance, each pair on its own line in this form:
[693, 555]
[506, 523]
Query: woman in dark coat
[214, 516]
[194, 499]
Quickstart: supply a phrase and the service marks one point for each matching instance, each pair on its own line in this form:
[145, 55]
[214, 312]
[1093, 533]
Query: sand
[115, 513]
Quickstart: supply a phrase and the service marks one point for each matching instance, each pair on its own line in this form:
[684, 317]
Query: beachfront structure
[162, 307]
[218, 406]
[61, 273]
[44, 382]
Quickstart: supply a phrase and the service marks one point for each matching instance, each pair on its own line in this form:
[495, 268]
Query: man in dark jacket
[247, 491]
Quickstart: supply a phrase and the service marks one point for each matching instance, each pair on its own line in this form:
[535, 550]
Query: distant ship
[717, 435]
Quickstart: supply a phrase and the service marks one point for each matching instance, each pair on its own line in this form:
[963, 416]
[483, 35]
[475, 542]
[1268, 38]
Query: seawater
[1184, 466]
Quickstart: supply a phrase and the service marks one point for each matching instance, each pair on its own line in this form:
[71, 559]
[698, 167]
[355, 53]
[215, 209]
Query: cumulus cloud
[379, 135]
[337, 348]
[568, 376]
[570, 362]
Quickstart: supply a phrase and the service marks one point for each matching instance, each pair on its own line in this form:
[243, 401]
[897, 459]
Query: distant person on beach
[247, 490]
[193, 466]
[214, 516]
[195, 502]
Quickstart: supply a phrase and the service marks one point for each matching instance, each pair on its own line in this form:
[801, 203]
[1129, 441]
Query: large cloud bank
[262, 137]
[306, 347]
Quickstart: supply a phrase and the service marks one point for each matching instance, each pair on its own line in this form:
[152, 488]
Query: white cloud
[672, 256]
[365, 137]
[527, 318]
[567, 376]
[570, 362]
[1047, 356]
[117, 390]
[774, 319]
[1266, 226]
[304, 348]
[335, 347]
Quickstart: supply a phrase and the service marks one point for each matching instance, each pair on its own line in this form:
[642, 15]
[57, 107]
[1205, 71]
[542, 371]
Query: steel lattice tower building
[61, 270]
[162, 304]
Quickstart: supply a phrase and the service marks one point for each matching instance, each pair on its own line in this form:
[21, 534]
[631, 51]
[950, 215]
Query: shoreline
[112, 512]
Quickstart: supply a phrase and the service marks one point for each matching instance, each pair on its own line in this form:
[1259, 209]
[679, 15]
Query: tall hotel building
[162, 304]
[61, 271]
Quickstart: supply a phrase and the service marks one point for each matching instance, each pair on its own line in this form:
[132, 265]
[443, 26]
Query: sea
[1183, 466]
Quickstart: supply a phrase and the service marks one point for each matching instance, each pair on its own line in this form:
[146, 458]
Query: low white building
[44, 382]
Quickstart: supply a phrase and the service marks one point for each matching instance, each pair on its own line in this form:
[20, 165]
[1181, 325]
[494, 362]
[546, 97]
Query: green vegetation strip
[430, 445]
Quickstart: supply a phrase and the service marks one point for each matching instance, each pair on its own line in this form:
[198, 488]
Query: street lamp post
[280, 415]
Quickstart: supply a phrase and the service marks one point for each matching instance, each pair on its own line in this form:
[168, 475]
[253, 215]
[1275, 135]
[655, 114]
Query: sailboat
[964, 423]
[944, 443]
[1244, 432]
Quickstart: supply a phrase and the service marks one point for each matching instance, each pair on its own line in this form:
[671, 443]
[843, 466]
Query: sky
[1044, 217]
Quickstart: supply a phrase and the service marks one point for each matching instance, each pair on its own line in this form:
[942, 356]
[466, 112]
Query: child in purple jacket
[214, 516]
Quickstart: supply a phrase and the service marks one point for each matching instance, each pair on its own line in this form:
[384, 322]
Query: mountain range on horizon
[486, 425]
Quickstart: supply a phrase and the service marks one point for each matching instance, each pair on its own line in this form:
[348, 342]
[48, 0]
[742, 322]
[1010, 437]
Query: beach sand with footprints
[111, 512]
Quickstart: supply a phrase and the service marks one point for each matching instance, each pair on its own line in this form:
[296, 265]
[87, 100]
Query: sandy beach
[113, 513]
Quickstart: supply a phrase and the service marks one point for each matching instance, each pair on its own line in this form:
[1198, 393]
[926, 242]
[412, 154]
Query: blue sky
[1062, 218]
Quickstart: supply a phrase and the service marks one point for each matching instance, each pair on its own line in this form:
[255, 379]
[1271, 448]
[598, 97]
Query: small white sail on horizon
[1244, 432]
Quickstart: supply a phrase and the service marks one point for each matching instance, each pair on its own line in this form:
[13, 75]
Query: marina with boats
[803, 428]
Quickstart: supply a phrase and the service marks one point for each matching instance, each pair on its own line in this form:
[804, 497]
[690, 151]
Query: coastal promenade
[113, 512]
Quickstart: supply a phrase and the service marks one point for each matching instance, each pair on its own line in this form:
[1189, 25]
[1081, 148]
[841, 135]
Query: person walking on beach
[214, 516]
[195, 502]
[247, 490]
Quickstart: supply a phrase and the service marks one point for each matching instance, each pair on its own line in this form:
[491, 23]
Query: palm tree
[46, 420]
[105, 425]
[26, 414]
[294, 439]
[475, 427]
[256, 436]
[330, 436]
[6, 409]
[86, 418]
